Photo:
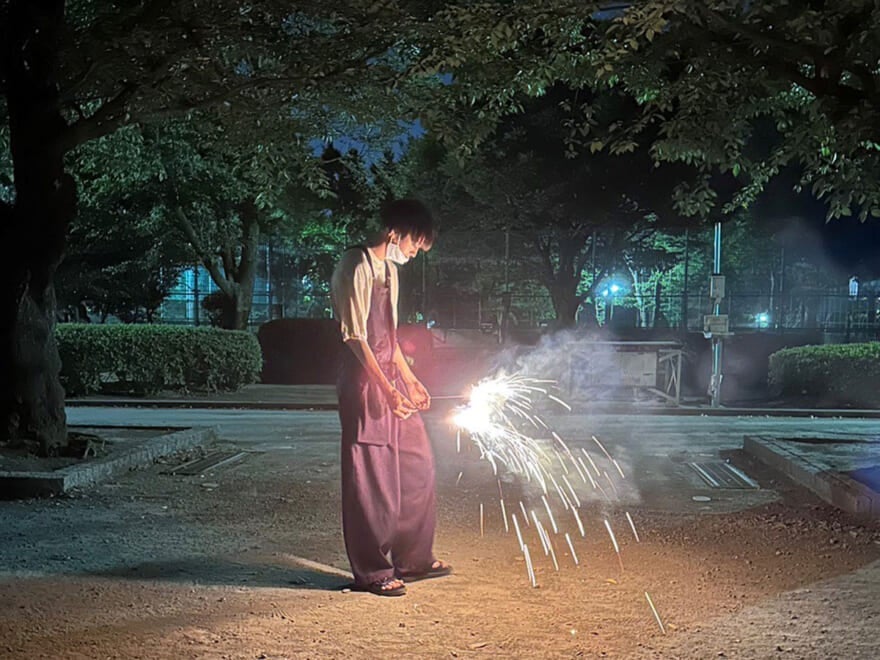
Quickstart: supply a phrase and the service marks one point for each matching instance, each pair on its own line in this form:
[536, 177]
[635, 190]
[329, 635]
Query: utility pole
[196, 293]
[716, 326]
[684, 295]
[505, 297]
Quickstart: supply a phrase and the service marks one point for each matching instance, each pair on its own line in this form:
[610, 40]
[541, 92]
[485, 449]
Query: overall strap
[363, 248]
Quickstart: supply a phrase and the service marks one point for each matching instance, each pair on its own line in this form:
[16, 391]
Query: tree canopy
[745, 88]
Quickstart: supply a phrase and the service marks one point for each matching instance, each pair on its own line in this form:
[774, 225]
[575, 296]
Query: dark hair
[409, 217]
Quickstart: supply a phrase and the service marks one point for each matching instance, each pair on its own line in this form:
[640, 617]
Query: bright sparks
[500, 419]
[493, 417]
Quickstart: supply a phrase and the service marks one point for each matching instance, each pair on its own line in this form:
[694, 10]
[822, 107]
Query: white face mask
[395, 254]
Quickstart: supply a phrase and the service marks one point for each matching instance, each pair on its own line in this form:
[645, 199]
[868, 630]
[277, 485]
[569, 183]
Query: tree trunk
[34, 230]
[562, 278]
[659, 320]
[234, 279]
[565, 302]
[247, 266]
[637, 293]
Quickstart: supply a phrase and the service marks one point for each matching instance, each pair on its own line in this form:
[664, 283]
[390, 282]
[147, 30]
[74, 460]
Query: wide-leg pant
[388, 500]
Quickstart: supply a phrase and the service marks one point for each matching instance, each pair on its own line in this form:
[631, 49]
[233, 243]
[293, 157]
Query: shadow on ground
[223, 572]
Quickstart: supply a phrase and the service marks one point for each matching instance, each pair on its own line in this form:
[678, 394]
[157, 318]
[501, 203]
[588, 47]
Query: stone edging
[836, 488]
[14, 485]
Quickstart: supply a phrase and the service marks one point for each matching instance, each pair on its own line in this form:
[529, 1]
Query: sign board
[596, 369]
[717, 324]
[716, 286]
[637, 369]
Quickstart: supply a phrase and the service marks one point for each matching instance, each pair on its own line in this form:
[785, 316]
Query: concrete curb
[581, 408]
[193, 403]
[836, 488]
[17, 485]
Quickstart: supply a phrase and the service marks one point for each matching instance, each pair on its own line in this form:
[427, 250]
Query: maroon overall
[387, 463]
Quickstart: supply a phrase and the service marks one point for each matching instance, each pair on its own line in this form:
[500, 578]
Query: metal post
[269, 306]
[507, 260]
[505, 297]
[684, 296]
[715, 382]
[780, 313]
[196, 293]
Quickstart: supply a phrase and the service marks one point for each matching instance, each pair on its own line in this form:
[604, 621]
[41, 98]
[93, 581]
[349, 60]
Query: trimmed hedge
[300, 351]
[843, 373]
[146, 358]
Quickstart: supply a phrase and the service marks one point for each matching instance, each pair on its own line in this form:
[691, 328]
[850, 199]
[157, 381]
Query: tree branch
[209, 263]
[824, 84]
[229, 266]
[250, 233]
[546, 261]
[738, 29]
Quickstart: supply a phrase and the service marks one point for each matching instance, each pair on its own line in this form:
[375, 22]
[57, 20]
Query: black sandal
[381, 588]
[432, 571]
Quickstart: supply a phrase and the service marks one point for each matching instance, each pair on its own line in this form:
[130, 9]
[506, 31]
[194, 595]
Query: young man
[388, 516]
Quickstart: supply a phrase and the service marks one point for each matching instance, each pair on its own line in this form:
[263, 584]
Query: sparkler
[550, 515]
[585, 472]
[496, 417]
[571, 547]
[560, 402]
[561, 460]
[518, 532]
[491, 416]
[656, 616]
[541, 533]
[581, 472]
[590, 458]
[580, 524]
[611, 483]
[559, 491]
[614, 543]
[602, 447]
[633, 525]
[571, 489]
[529, 567]
[553, 554]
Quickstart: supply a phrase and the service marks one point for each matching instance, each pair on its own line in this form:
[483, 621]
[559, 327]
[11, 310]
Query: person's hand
[418, 394]
[399, 404]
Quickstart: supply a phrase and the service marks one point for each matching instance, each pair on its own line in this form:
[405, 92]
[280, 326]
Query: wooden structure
[643, 366]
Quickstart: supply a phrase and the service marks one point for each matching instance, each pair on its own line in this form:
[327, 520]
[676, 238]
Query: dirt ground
[160, 566]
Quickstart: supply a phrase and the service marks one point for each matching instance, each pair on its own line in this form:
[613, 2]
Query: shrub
[300, 351]
[844, 373]
[308, 351]
[150, 358]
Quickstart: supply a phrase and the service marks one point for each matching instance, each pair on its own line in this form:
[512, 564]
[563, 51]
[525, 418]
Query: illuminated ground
[155, 566]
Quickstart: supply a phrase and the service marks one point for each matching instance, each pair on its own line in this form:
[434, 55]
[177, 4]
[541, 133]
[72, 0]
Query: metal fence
[279, 293]
[827, 312]
[813, 311]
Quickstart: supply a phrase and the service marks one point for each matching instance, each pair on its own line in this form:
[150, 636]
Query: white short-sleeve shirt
[351, 290]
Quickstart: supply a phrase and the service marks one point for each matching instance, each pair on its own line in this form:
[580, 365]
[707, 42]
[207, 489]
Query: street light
[609, 292]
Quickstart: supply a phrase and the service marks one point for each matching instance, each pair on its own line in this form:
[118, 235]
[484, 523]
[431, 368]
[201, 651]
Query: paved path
[657, 448]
